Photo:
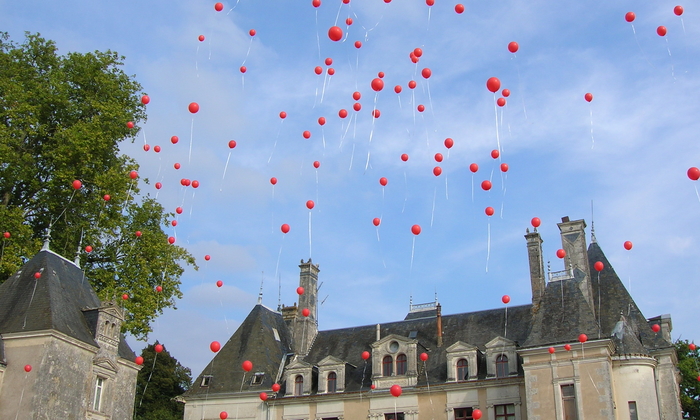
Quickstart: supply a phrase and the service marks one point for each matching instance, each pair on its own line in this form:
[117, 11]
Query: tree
[690, 379]
[62, 119]
[161, 380]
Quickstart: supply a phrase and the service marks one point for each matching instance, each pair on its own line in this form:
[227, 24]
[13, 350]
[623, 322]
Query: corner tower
[306, 327]
[573, 241]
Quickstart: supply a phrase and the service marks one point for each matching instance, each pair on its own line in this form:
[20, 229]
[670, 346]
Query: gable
[461, 347]
[500, 342]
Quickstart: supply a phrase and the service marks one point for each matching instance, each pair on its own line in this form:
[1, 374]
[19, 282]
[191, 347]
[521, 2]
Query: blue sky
[627, 151]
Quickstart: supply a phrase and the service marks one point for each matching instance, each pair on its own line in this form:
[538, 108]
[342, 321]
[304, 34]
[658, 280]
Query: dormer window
[460, 356]
[331, 382]
[462, 370]
[257, 379]
[298, 385]
[206, 380]
[387, 366]
[394, 361]
[501, 366]
[401, 364]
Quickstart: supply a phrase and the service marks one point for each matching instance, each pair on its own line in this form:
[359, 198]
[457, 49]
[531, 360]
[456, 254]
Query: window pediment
[461, 347]
[500, 342]
[330, 361]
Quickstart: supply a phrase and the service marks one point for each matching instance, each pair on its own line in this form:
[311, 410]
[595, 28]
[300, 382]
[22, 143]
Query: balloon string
[495, 110]
[144, 135]
[696, 192]
[430, 99]
[323, 91]
[337, 16]
[599, 317]
[279, 255]
[189, 159]
[248, 53]
[405, 197]
[192, 205]
[592, 140]
[472, 187]
[427, 29]
[413, 249]
[432, 215]
[196, 61]
[316, 186]
[640, 46]
[447, 196]
[309, 234]
[21, 395]
[318, 39]
[274, 147]
[225, 169]
[149, 378]
[323, 138]
[488, 245]
[371, 132]
[505, 328]
[352, 156]
[673, 74]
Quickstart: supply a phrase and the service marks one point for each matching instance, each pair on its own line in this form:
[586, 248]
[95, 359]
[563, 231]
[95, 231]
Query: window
[463, 413]
[331, 383]
[568, 400]
[257, 379]
[505, 412]
[462, 370]
[299, 385]
[501, 366]
[393, 416]
[387, 366]
[401, 364]
[206, 380]
[99, 387]
[633, 410]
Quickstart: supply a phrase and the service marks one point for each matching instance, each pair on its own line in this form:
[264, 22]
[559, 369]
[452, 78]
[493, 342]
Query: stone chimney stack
[306, 327]
[438, 313]
[573, 241]
[537, 280]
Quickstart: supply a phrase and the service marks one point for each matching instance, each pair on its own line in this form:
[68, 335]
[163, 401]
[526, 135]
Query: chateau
[62, 355]
[529, 362]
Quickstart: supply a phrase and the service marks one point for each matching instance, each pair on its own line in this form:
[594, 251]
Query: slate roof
[53, 301]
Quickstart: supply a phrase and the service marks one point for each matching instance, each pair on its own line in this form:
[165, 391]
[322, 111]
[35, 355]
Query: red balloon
[376, 221]
[489, 211]
[275, 387]
[376, 113]
[310, 204]
[195, 184]
[207, 257]
[176, 165]
[424, 356]
[694, 173]
[420, 108]
[146, 148]
[630, 16]
[6, 235]
[145, 99]
[380, 74]
[306, 312]
[656, 328]
[437, 171]
[412, 84]
[486, 185]
[413, 57]
[88, 249]
[374, 386]
[474, 167]
[247, 366]
[505, 93]
[397, 88]
[561, 253]
[219, 7]
[306, 134]
[178, 210]
[284, 228]
[661, 31]
[283, 114]
[415, 229]
[358, 44]
[356, 95]
[133, 174]
[551, 350]
[300, 290]
[582, 338]
[321, 121]
[504, 167]
[130, 124]
[106, 197]
[348, 21]
[156, 149]
[513, 47]
[223, 415]
[599, 266]
[449, 143]
[505, 299]
[404, 157]
[438, 157]
[215, 346]
[193, 107]
[588, 97]
[317, 164]
[365, 355]
[628, 245]
[158, 348]
[396, 390]
[77, 184]
[273, 181]
[316, 3]
[138, 233]
[231, 144]
[27, 368]
[159, 185]
[243, 69]
[331, 71]
[138, 360]
[318, 69]
[692, 346]
[171, 240]
[501, 102]
[201, 38]
[426, 73]
[252, 32]
[418, 52]
[678, 10]
[343, 113]
[495, 153]
[383, 181]
[219, 283]
[174, 139]
[335, 33]
[377, 84]
[567, 347]
[476, 414]
[263, 396]
[493, 84]
[459, 8]
[37, 275]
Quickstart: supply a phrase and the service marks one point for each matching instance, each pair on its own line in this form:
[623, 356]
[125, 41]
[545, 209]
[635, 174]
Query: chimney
[573, 241]
[379, 333]
[439, 325]
[306, 327]
[534, 253]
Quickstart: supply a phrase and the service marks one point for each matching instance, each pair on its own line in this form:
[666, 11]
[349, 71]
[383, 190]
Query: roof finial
[279, 292]
[76, 261]
[261, 289]
[47, 239]
[593, 240]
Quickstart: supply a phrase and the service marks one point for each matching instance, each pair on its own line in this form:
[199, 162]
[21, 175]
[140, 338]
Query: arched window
[331, 382]
[299, 385]
[387, 366]
[401, 364]
[501, 366]
[462, 370]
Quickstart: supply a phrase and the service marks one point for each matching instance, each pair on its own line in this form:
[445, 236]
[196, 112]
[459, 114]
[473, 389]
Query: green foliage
[161, 379]
[62, 118]
[689, 367]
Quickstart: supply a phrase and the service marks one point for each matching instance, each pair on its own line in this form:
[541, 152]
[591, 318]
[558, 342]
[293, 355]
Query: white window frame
[97, 397]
